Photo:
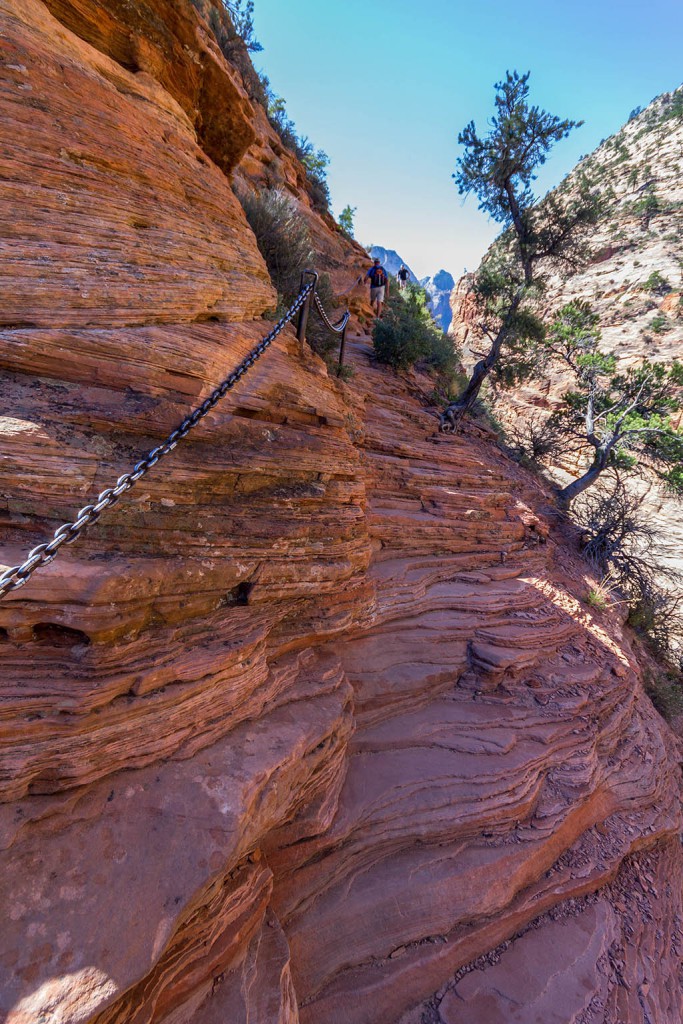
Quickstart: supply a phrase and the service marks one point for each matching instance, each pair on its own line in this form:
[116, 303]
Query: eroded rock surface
[315, 719]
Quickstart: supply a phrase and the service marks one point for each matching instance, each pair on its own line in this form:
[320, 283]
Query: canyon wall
[639, 175]
[314, 725]
[633, 279]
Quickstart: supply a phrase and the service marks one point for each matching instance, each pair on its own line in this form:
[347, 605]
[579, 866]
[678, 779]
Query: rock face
[313, 727]
[634, 281]
[439, 288]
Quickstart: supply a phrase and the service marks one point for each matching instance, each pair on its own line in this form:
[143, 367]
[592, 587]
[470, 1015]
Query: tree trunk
[566, 496]
[453, 414]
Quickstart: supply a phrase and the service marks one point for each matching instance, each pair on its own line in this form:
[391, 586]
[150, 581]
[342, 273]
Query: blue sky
[384, 89]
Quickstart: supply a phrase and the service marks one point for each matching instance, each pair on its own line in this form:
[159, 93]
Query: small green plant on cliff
[346, 220]
[315, 161]
[285, 244]
[536, 439]
[621, 542]
[665, 690]
[600, 596]
[282, 237]
[499, 169]
[657, 284]
[618, 417]
[407, 335]
[647, 207]
[242, 17]
[674, 109]
[660, 324]
[318, 336]
[233, 27]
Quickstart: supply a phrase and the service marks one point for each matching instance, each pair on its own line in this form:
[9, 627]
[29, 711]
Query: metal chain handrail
[337, 328]
[43, 554]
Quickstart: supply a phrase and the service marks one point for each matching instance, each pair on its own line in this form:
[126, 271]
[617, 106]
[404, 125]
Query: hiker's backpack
[378, 278]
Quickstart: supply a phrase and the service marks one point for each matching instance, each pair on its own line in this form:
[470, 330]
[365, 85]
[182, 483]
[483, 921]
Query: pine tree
[346, 220]
[499, 169]
[620, 417]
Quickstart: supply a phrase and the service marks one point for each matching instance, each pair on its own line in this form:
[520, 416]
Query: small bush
[647, 208]
[285, 244]
[346, 220]
[407, 335]
[674, 109]
[597, 599]
[660, 324]
[282, 237]
[318, 335]
[537, 439]
[620, 541]
[344, 372]
[657, 284]
[232, 25]
[315, 161]
[666, 693]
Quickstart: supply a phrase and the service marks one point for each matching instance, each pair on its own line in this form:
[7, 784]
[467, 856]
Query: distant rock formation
[439, 289]
[391, 261]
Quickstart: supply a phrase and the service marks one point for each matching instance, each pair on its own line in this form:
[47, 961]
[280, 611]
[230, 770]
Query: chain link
[339, 326]
[43, 554]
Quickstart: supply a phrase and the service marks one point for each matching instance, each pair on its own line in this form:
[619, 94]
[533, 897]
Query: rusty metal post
[305, 309]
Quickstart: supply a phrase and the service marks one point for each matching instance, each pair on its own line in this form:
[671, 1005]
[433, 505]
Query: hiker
[379, 286]
[402, 277]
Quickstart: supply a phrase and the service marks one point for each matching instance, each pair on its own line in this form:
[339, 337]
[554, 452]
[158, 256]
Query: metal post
[303, 314]
[341, 347]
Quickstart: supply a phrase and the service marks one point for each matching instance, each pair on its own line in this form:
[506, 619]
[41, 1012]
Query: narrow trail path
[498, 769]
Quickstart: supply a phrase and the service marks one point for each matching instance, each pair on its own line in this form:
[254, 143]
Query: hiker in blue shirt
[379, 286]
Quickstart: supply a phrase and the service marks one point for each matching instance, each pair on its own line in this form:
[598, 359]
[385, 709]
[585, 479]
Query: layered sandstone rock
[315, 718]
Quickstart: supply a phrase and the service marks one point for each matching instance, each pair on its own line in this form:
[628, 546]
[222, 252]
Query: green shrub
[647, 207]
[666, 693]
[285, 244]
[315, 161]
[282, 237]
[407, 335]
[596, 599]
[319, 337]
[674, 109]
[346, 220]
[233, 26]
[660, 324]
[657, 283]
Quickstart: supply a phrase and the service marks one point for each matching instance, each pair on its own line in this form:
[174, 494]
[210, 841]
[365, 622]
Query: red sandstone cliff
[313, 726]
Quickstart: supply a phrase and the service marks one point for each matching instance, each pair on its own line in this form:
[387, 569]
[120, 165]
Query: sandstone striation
[314, 725]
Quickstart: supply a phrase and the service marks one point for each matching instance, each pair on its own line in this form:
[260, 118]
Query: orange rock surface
[313, 726]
